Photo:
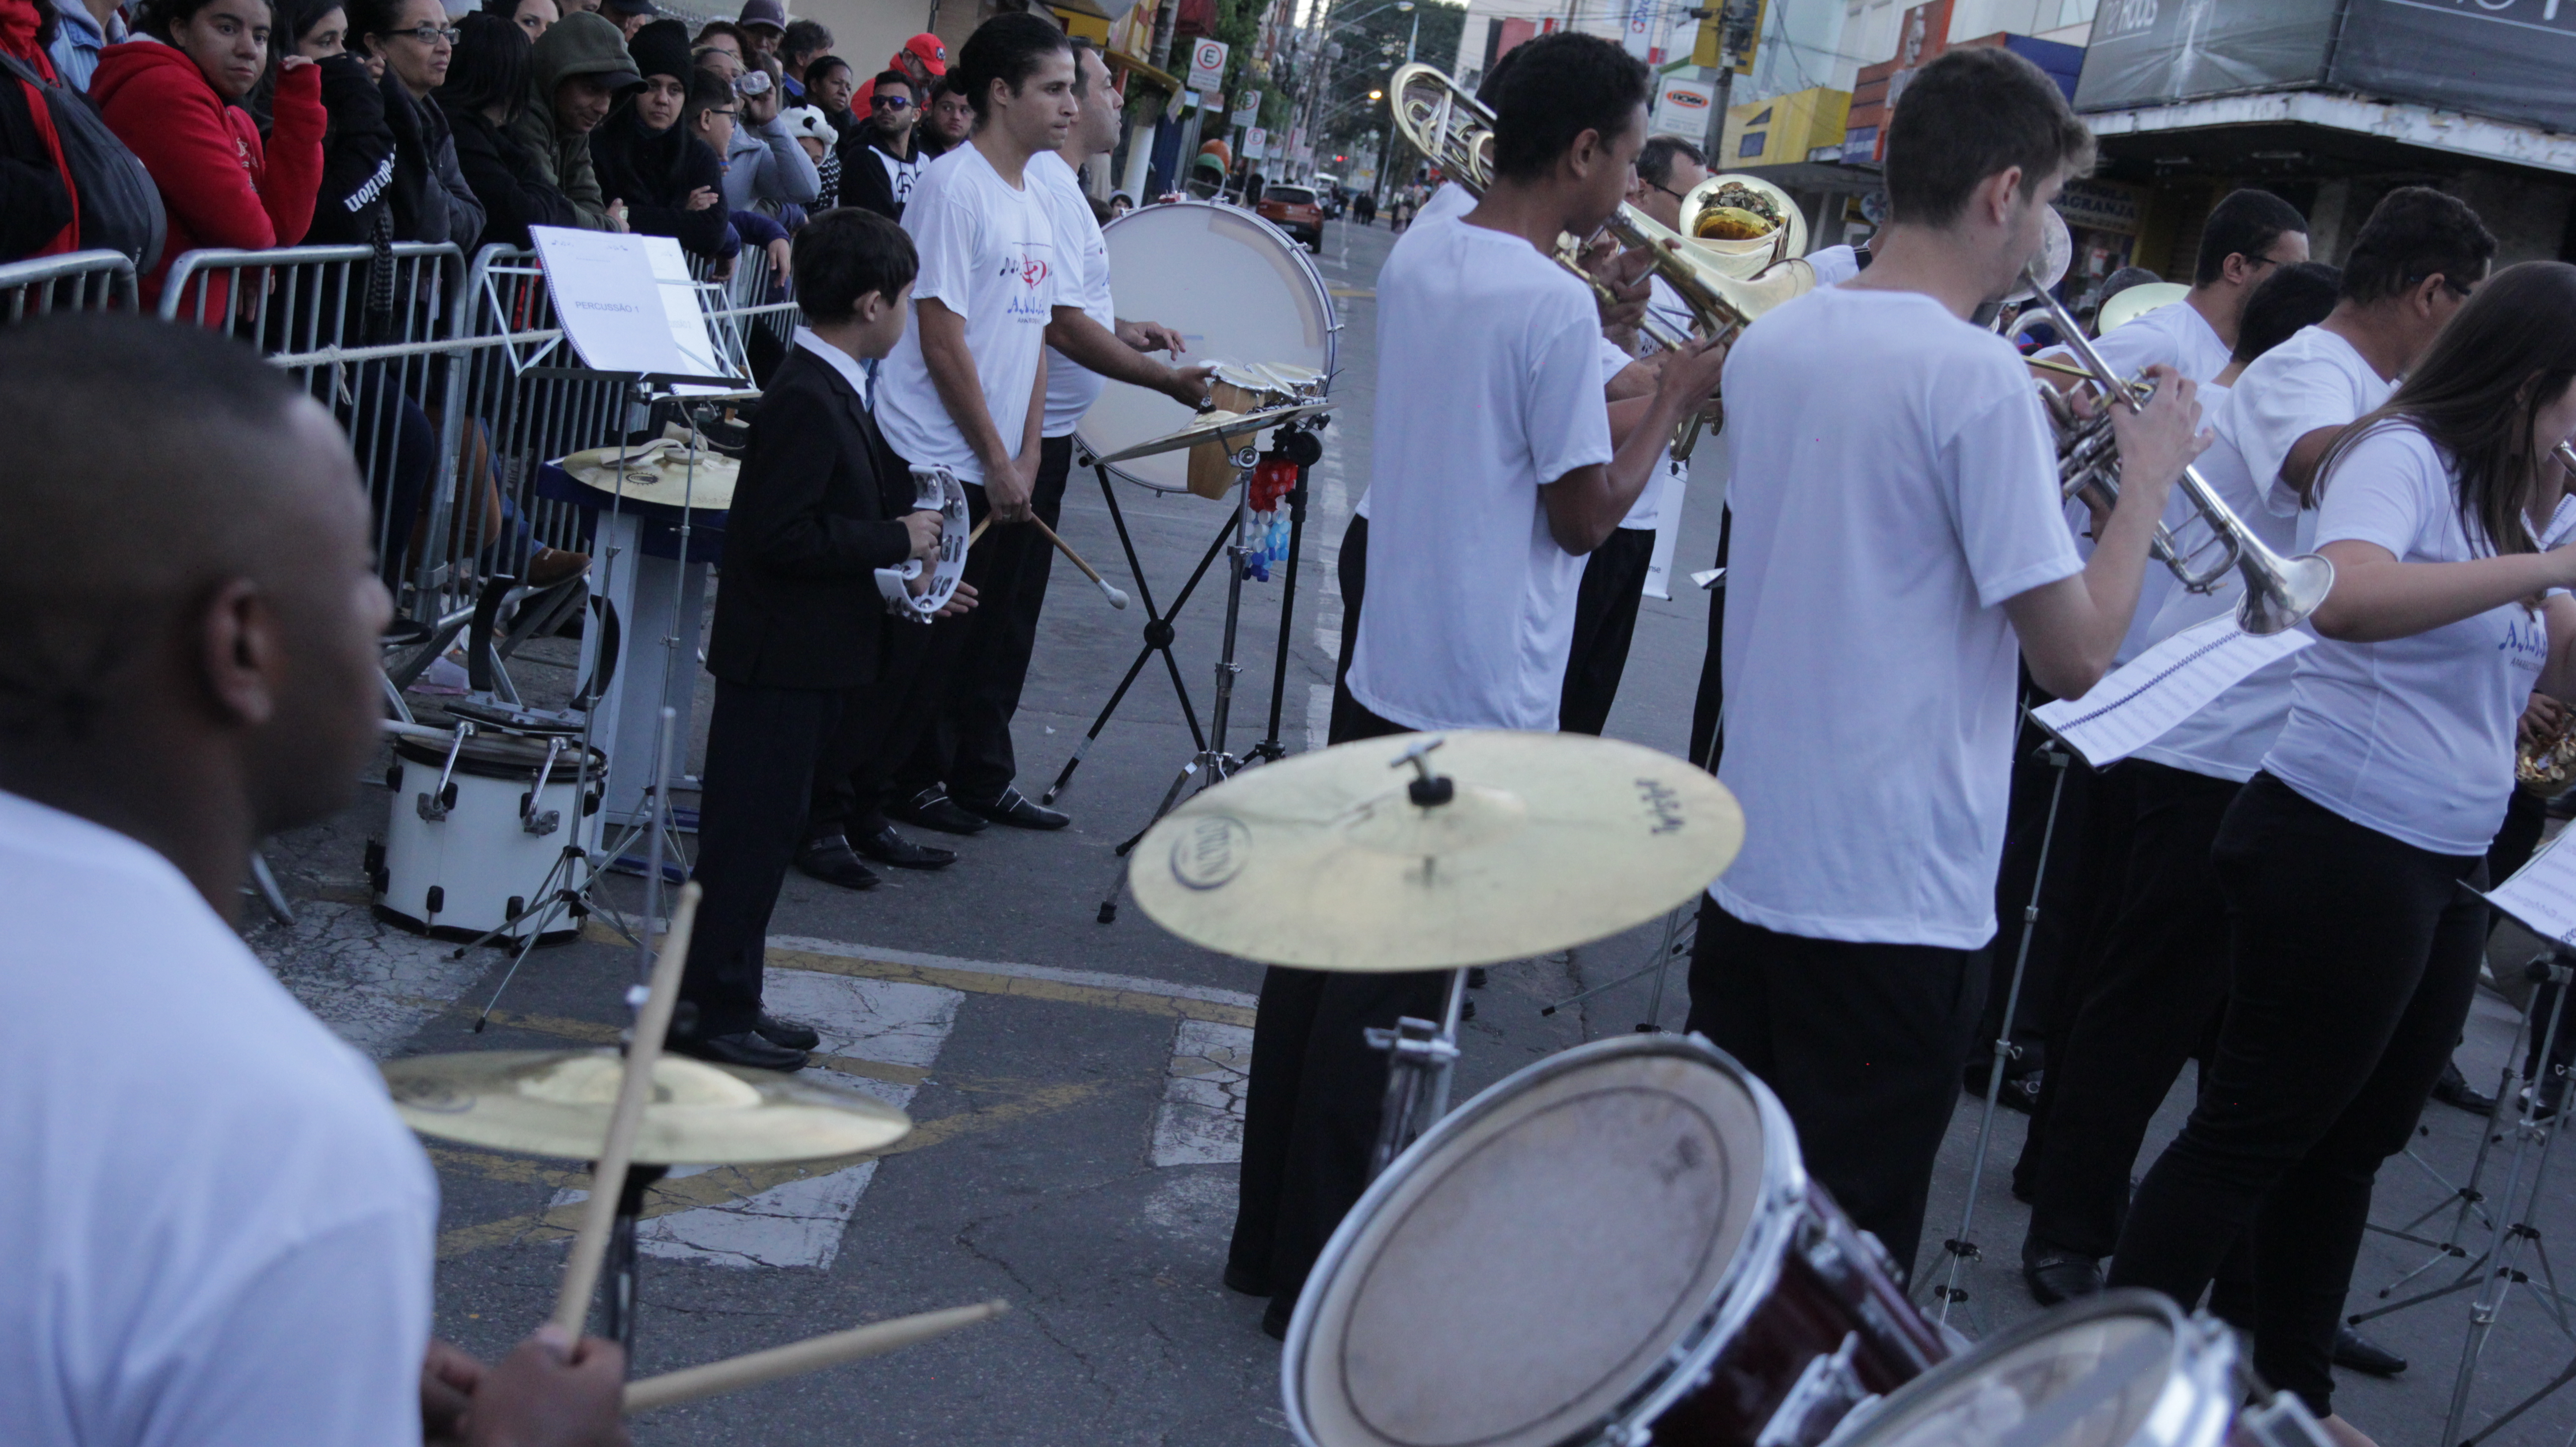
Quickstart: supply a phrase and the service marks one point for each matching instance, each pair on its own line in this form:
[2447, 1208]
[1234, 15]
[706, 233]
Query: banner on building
[1681, 108]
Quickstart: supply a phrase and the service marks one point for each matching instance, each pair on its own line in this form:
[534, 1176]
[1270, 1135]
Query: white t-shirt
[1870, 668]
[1071, 386]
[1489, 388]
[988, 254]
[2313, 380]
[1648, 508]
[1448, 203]
[220, 1234]
[1834, 265]
[2413, 737]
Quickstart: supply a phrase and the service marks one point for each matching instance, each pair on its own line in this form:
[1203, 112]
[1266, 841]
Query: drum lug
[540, 822]
[1828, 1391]
[433, 808]
[437, 900]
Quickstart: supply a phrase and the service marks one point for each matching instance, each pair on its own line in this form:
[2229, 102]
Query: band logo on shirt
[2529, 643]
[1032, 271]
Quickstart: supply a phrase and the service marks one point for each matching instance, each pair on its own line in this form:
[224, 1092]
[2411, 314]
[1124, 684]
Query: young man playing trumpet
[1883, 573]
[1497, 466]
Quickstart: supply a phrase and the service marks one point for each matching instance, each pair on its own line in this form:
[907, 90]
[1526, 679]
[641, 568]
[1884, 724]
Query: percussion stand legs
[1158, 636]
[1305, 449]
[1962, 1248]
[1420, 1060]
[2513, 1228]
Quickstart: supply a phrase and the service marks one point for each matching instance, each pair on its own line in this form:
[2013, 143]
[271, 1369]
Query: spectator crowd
[155, 127]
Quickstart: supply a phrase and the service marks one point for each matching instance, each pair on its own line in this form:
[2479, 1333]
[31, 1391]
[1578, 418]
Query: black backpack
[119, 207]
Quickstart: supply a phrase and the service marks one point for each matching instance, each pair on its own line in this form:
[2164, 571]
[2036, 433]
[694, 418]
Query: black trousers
[2077, 908]
[1313, 1096]
[2352, 961]
[1862, 1042]
[2155, 999]
[1350, 720]
[762, 744]
[966, 744]
[1605, 622]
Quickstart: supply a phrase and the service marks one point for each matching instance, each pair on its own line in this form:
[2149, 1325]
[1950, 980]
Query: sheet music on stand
[628, 304]
[2136, 703]
[2542, 893]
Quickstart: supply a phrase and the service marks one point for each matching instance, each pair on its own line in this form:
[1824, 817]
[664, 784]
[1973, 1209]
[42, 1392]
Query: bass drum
[1234, 287]
[1617, 1245]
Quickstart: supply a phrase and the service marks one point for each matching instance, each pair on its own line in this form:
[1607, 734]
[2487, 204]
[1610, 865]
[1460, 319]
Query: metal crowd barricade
[79, 281]
[366, 336]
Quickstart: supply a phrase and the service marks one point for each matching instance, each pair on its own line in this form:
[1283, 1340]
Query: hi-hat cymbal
[1324, 860]
[557, 1103]
[1216, 426]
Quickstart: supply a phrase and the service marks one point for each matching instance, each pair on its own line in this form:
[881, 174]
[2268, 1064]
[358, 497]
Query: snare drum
[464, 856]
[1617, 1245]
[2121, 1369]
[1235, 288]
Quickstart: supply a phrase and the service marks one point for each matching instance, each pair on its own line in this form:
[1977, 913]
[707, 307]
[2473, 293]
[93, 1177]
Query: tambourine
[934, 489]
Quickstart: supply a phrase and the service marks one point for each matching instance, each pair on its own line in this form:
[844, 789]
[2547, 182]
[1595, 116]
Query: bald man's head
[187, 566]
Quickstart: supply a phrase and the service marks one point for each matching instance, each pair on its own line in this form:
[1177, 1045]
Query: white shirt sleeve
[1834, 265]
[2270, 420]
[2384, 491]
[2001, 468]
[947, 234]
[1569, 420]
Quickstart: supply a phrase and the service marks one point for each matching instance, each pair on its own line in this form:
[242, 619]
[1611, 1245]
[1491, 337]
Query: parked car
[1297, 211]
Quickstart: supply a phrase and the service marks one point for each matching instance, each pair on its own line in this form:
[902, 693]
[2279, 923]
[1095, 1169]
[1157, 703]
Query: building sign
[2510, 59]
[2102, 206]
[1207, 64]
[1681, 108]
[1638, 35]
[2149, 52]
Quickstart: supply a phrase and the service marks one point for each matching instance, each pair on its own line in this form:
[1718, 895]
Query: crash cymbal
[1325, 860]
[1218, 425]
[557, 1102]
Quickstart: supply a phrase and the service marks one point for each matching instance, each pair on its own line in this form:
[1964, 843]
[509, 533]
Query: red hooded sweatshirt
[18, 25]
[220, 186]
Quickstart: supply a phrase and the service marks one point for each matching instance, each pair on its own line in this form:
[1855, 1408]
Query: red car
[1295, 210]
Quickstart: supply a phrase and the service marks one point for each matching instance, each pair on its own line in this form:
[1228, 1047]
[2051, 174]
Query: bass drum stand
[1294, 442]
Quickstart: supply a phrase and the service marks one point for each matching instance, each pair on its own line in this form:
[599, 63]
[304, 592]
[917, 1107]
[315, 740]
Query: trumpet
[2279, 592]
[1451, 128]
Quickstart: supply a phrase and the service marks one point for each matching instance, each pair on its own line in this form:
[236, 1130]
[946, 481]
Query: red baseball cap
[927, 49]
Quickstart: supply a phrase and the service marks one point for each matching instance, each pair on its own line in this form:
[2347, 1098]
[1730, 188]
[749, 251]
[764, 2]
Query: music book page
[2542, 894]
[2133, 705]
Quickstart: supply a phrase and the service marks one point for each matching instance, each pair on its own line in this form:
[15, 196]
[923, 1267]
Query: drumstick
[608, 1177]
[1117, 598]
[811, 1354]
[979, 530]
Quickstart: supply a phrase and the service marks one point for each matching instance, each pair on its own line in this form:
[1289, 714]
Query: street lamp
[1323, 56]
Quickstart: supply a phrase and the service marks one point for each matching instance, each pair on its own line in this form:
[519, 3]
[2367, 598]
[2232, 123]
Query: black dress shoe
[2055, 1274]
[1246, 1280]
[1275, 1319]
[746, 1048]
[1018, 811]
[785, 1034]
[933, 809]
[2361, 1354]
[887, 847]
[2454, 1089]
[831, 861]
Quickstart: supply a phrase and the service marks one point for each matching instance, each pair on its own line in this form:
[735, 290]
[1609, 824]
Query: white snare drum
[1236, 288]
[468, 847]
[2122, 1369]
[1617, 1245]
[934, 489]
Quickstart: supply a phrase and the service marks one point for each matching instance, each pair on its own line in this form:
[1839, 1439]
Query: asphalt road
[1075, 1084]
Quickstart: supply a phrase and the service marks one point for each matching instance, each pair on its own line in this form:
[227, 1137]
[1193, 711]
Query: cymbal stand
[1212, 764]
[2517, 1222]
[1421, 1056]
[617, 1310]
[1962, 1248]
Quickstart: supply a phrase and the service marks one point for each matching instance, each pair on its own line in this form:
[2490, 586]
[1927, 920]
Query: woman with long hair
[175, 100]
[2350, 861]
[486, 86]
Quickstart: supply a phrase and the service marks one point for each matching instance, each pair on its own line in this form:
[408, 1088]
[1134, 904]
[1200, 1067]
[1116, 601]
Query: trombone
[2280, 592]
[1451, 128]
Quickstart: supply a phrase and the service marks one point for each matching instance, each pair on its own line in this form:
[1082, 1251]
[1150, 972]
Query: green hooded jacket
[582, 43]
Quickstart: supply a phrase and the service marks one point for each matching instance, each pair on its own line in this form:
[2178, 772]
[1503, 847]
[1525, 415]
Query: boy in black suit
[821, 505]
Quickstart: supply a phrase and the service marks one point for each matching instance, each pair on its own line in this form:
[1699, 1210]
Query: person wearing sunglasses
[879, 161]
